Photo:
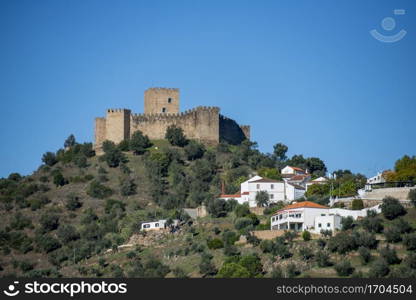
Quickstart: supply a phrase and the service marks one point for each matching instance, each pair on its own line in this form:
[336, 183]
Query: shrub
[231, 250]
[139, 142]
[347, 223]
[67, 233]
[306, 235]
[365, 254]
[357, 204]
[59, 179]
[242, 223]
[233, 270]
[410, 260]
[262, 199]
[266, 246]
[391, 208]
[49, 222]
[305, 253]
[292, 271]
[20, 222]
[215, 244]
[389, 255]
[80, 161]
[98, 190]
[409, 240]
[364, 238]
[379, 269]
[344, 268]
[206, 267]
[47, 243]
[194, 150]
[372, 224]
[230, 237]
[402, 225]
[49, 158]
[38, 202]
[241, 210]
[127, 187]
[392, 234]
[72, 202]
[322, 259]
[341, 243]
[252, 263]
[218, 208]
[175, 136]
[112, 155]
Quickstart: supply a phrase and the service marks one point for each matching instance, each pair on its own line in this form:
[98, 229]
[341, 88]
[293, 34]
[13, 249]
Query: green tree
[379, 268]
[49, 158]
[357, 204]
[262, 199]
[112, 155]
[391, 208]
[347, 223]
[365, 254]
[215, 243]
[316, 166]
[233, 270]
[72, 202]
[139, 142]
[306, 235]
[49, 222]
[98, 190]
[279, 151]
[194, 150]
[175, 136]
[344, 268]
[70, 141]
[271, 173]
[59, 179]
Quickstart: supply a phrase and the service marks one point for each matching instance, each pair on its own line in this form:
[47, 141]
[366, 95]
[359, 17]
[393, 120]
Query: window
[274, 219]
[323, 215]
[271, 196]
[146, 226]
[163, 109]
[156, 224]
[258, 186]
[169, 100]
[328, 224]
[319, 225]
[272, 186]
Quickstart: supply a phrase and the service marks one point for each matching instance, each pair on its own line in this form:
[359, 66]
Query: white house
[320, 180]
[293, 170]
[379, 178]
[156, 225]
[277, 190]
[314, 217]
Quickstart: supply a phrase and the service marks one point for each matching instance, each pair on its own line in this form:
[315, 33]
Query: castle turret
[161, 100]
[118, 125]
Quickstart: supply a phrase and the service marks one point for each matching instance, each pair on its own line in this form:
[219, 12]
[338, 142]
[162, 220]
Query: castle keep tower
[161, 100]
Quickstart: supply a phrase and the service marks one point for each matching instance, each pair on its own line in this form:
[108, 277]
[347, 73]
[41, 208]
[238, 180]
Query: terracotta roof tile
[308, 204]
[230, 196]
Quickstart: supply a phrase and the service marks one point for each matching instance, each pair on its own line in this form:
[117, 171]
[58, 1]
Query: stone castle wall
[161, 111]
[200, 123]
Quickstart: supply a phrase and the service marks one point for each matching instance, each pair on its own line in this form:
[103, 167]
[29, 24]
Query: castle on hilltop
[161, 109]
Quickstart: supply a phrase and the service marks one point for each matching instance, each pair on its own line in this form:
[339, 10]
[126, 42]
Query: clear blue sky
[305, 73]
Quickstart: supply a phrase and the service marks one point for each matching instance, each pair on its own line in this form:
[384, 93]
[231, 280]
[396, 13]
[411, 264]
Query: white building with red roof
[277, 190]
[314, 217]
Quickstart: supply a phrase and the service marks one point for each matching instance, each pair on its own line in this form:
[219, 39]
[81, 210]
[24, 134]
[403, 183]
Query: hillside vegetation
[79, 215]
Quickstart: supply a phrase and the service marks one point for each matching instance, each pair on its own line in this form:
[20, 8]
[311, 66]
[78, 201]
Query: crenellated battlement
[118, 110]
[161, 110]
[157, 117]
